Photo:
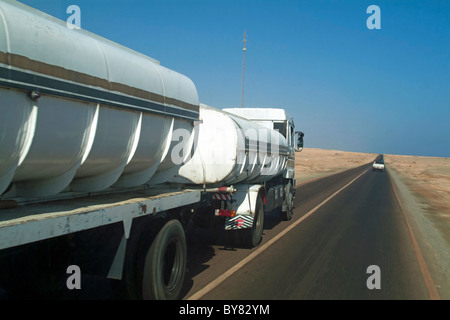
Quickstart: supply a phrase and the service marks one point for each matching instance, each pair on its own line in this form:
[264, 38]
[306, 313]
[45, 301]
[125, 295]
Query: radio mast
[243, 68]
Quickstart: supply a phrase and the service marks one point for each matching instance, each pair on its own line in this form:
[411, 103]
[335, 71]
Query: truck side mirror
[300, 140]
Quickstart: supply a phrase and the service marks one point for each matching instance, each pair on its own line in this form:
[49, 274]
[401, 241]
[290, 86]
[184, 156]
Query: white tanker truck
[106, 156]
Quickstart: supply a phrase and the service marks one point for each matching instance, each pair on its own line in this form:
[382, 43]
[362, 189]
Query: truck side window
[280, 127]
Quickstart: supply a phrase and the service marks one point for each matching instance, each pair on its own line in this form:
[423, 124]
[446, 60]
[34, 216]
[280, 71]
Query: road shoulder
[433, 246]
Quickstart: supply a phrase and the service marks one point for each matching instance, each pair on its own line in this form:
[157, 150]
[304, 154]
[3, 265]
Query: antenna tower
[243, 68]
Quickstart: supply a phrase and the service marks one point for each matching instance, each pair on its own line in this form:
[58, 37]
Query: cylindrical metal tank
[81, 113]
[229, 149]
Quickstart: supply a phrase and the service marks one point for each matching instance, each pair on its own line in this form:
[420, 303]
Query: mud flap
[240, 221]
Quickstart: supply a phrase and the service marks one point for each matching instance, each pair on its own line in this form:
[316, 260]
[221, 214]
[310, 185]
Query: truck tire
[252, 237]
[163, 268]
[286, 214]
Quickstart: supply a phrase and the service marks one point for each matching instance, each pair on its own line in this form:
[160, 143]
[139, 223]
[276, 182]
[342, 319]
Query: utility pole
[243, 68]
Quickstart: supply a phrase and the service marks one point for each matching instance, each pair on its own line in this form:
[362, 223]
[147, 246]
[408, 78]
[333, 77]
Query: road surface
[357, 235]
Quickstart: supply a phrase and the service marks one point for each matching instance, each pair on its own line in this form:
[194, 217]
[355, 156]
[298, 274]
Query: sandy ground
[429, 179]
[424, 185]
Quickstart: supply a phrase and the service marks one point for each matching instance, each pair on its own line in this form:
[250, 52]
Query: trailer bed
[39, 221]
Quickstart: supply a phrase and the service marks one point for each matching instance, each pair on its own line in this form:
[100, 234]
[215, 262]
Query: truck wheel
[252, 237]
[164, 264]
[288, 203]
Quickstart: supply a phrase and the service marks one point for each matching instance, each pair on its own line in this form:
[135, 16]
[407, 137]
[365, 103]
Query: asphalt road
[325, 256]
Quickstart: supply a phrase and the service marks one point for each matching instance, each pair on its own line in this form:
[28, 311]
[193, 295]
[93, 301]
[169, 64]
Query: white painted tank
[230, 149]
[81, 113]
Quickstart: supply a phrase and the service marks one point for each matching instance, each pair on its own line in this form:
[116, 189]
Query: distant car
[378, 165]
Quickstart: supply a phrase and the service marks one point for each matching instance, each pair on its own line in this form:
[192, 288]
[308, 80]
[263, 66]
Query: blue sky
[347, 87]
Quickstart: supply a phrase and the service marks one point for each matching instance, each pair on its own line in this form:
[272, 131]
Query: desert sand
[428, 178]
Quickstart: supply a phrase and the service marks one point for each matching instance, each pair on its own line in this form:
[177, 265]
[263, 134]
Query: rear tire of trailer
[252, 237]
[163, 267]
